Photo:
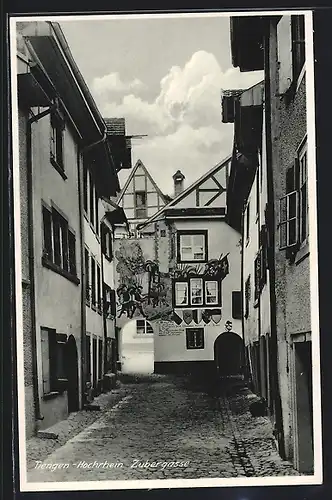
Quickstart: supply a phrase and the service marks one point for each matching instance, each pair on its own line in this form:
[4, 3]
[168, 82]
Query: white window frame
[206, 295]
[191, 258]
[191, 292]
[303, 183]
[146, 326]
[177, 304]
[288, 220]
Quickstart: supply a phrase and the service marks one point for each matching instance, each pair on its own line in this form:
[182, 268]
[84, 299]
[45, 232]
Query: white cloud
[183, 123]
[112, 83]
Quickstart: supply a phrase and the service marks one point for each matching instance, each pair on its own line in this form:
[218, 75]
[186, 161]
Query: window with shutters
[87, 276]
[293, 209]
[288, 222]
[100, 359]
[98, 291]
[260, 264]
[109, 302]
[86, 187]
[291, 50]
[247, 223]
[53, 347]
[93, 282]
[195, 338]
[303, 194]
[298, 44]
[59, 244]
[236, 305]
[106, 242]
[48, 243]
[57, 128]
[247, 296]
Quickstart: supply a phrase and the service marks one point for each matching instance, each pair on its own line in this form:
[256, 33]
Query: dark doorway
[304, 410]
[228, 354]
[72, 375]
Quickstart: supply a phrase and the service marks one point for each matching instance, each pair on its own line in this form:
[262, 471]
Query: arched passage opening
[72, 374]
[228, 354]
[137, 347]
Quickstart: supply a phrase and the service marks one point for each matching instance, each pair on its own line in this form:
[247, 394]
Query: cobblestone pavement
[167, 429]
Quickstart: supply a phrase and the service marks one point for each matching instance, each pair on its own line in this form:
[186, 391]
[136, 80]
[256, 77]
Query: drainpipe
[271, 250]
[30, 121]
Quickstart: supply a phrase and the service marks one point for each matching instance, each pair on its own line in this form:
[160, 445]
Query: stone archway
[228, 354]
[72, 375]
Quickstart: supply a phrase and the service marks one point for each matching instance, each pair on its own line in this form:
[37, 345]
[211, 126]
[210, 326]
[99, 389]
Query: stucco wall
[58, 300]
[222, 239]
[26, 293]
[292, 278]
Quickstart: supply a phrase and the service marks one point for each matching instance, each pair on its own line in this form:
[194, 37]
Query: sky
[164, 75]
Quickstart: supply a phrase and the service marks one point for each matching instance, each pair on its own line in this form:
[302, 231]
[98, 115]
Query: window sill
[109, 259]
[204, 261]
[256, 303]
[58, 168]
[57, 269]
[51, 395]
[302, 253]
[247, 241]
[25, 283]
[198, 306]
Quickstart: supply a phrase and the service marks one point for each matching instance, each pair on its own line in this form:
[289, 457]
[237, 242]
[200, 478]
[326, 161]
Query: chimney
[178, 178]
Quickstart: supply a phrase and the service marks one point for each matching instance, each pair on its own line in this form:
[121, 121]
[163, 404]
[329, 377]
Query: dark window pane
[93, 281]
[292, 232]
[87, 275]
[85, 186]
[56, 238]
[100, 359]
[98, 293]
[47, 223]
[64, 244]
[236, 305]
[283, 235]
[72, 253]
[292, 205]
[92, 203]
[88, 357]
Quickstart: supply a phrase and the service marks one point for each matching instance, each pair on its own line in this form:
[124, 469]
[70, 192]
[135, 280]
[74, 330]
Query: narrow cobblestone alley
[160, 422]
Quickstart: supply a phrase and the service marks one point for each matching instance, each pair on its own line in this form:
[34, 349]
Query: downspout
[31, 120]
[83, 277]
[270, 216]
